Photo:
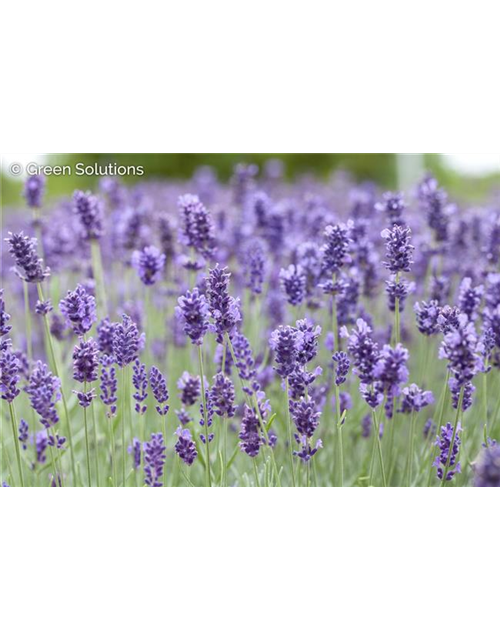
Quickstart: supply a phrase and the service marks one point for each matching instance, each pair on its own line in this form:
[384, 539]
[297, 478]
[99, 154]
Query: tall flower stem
[409, 463]
[16, 443]
[224, 420]
[122, 422]
[339, 435]
[96, 446]
[289, 428]
[439, 424]
[208, 510]
[485, 402]
[455, 428]
[397, 319]
[87, 448]
[63, 395]
[27, 317]
[97, 269]
[379, 446]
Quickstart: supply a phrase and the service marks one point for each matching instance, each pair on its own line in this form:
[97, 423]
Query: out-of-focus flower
[34, 188]
[193, 314]
[487, 469]
[88, 209]
[149, 264]
[293, 283]
[414, 399]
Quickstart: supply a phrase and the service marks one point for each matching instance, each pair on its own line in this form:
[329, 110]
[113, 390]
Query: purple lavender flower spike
[140, 382]
[190, 387]
[79, 310]
[193, 314]
[305, 417]
[108, 384]
[399, 251]
[154, 460]
[443, 441]
[334, 251]
[224, 309]
[448, 319]
[342, 367]
[125, 341]
[393, 206]
[105, 330]
[250, 439]
[159, 389]
[363, 350]
[255, 264]
[427, 317]
[469, 298]
[5, 328]
[222, 396]
[197, 227]
[149, 264]
[33, 191]
[43, 390]
[43, 308]
[284, 342]
[414, 399]
[85, 361]
[390, 372]
[135, 450]
[185, 447]
[293, 284]
[434, 202]
[307, 340]
[23, 431]
[9, 376]
[245, 363]
[88, 209]
[29, 267]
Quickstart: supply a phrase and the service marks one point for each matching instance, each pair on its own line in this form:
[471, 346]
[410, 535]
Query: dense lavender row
[259, 333]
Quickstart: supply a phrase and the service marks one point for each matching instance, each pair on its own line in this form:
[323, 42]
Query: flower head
[108, 384]
[342, 362]
[193, 314]
[159, 389]
[487, 469]
[284, 341]
[393, 206]
[43, 390]
[414, 399]
[29, 267]
[79, 310]
[9, 375]
[88, 208]
[293, 283]
[334, 251]
[197, 227]
[399, 251]
[149, 264]
[443, 441]
[140, 382]
[126, 341]
[86, 361]
[222, 396]
[154, 460]
[427, 317]
[190, 387]
[185, 447]
[135, 450]
[224, 309]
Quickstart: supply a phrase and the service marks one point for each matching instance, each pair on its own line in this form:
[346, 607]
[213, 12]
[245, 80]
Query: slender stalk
[16, 443]
[63, 395]
[87, 448]
[205, 418]
[122, 421]
[409, 464]
[289, 429]
[256, 473]
[452, 442]
[444, 395]
[485, 402]
[96, 446]
[339, 435]
[379, 446]
[397, 317]
[27, 318]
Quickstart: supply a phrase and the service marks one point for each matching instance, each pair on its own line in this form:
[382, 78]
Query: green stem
[439, 424]
[96, 446]
[397, 318]
[55, 366]
[16, 442]
[379, 446]
[27, 317]
[339, 435]
[289, 430]
[87, 448]
[410, 450]
[205, 418]
[256, 473]
[452, 442]
[122, 421]
[485, 402]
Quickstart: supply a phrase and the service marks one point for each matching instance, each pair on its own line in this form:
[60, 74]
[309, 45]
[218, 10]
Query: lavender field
[167, 346]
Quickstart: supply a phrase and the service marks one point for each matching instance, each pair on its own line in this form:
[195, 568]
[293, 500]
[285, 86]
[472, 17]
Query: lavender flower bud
[190, 386]
[469, 298]
[224, 309]
[222, 396]
[160, 391]
[140, 382]
[487, 469]
[154, 460]
[427, 317]
[9, 376]
[185, 447]
[414, 399]
[29, 267]
[250, 439]
[193, 314]
[85, 361]
[197, 227]
[125, 341]
[293, 284]
[149, 264]
[108, 384]
[393, 206]
[43, 308]
[135, 450]
[334, 251]
[284, 342]
[443, 441]
[89, 211]
[43, 390]
[399, 251]
[342, 369]
[105, 330]
[79, 310]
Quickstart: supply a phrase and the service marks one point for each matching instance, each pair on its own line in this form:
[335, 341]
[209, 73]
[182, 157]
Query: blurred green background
[387, 170]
